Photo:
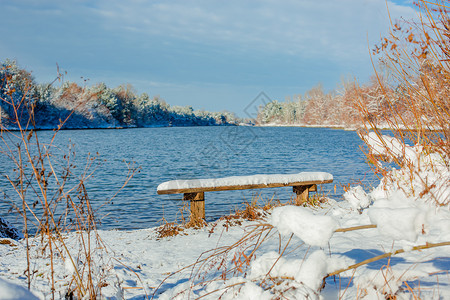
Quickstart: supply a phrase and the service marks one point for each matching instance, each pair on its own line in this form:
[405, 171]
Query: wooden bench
[194, 190]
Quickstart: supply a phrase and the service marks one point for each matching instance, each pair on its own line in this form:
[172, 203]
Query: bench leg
[197, 205]
[302, 192]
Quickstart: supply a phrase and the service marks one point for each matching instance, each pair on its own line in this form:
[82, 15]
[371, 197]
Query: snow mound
[315, 230]
[398, 223]
[313, 270]
[274, 265]
[357, 198]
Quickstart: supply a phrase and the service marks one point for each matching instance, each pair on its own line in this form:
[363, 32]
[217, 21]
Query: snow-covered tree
[93, 106]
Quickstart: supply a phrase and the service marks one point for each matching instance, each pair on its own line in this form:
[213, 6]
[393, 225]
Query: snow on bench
[194, 189]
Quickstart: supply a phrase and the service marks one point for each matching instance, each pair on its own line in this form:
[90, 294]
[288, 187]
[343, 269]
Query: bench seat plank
[243, 182]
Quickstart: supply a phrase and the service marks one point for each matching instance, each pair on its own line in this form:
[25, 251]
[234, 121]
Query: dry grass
[316, 200]
[53, 199]
[255, 210]
[168, 229]
[7, 242]
[414, 100]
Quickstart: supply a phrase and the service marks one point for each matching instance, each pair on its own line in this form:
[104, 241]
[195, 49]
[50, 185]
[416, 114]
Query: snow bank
[11, 291]
[315, 230]
[425, 176]
[407, 202]
[390, 147]
[245, 180]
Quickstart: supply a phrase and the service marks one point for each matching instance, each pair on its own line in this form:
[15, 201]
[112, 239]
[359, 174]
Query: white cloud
[338, 29]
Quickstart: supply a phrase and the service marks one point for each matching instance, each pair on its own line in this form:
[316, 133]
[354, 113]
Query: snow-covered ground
[286, 255]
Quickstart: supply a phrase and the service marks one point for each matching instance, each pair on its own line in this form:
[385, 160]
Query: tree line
[95, 106]
[317, 107]
[382, 102]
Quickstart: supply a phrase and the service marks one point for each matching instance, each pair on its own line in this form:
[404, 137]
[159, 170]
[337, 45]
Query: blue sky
[213, 55]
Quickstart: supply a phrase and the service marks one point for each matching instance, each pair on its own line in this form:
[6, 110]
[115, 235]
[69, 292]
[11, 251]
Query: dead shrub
[53, 199]
[168, 229]
[413, 101]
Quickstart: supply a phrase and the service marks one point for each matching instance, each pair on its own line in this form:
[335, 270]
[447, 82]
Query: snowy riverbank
[138, 262]
[392, 242]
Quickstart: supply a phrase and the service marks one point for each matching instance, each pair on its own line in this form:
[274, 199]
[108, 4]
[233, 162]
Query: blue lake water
[199, 152]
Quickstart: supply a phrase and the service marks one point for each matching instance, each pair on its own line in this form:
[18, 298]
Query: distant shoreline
[44, 128]
[343, 127]
[335, 126]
